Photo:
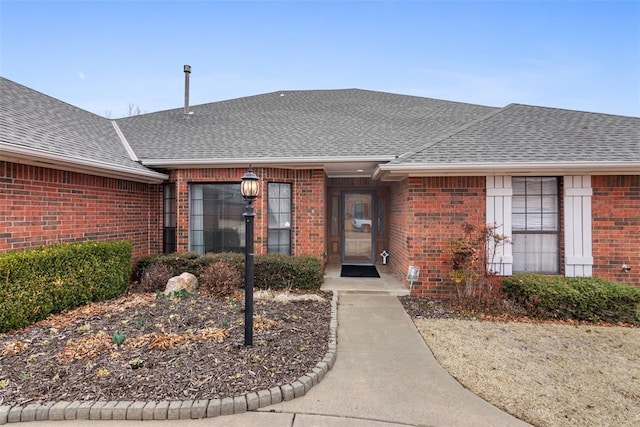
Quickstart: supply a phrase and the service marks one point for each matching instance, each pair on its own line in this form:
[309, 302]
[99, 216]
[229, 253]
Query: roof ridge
[125, 142]
[466, 126]
[283, 92]
[544, 107]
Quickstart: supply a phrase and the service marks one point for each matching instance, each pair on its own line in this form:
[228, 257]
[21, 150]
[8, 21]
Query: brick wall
[309, 209]
[616, 227]
[426, 214]
[308, 199]
[40, 206]
[399, 227]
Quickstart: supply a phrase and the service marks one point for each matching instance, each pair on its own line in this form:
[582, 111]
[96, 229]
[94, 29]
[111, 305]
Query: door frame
[343, 231]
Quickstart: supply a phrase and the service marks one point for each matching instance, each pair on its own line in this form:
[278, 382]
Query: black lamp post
[249, 189]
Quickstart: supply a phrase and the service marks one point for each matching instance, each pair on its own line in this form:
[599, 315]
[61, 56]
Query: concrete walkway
[384, 375]
[387, 284]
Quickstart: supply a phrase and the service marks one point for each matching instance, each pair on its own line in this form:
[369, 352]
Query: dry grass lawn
[546, 374]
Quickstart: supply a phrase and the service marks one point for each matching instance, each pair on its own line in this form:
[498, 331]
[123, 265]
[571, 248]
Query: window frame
[205, 239]
[285, 248]
[542, 231]
[169, 218]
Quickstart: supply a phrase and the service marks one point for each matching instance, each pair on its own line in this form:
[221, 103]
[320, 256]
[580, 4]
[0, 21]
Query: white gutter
[42, 158]
[125, 143]
[505, 168]
[291, 161]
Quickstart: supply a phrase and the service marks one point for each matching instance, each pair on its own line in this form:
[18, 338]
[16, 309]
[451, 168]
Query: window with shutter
[535, 222]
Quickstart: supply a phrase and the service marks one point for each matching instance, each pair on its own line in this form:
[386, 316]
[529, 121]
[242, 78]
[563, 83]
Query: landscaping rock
[185, 281]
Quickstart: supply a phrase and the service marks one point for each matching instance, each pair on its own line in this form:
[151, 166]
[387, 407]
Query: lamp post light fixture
[249, 188]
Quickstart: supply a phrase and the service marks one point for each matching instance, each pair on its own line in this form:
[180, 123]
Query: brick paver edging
[179, 409]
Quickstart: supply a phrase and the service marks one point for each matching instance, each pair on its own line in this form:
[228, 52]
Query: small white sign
[413, 273]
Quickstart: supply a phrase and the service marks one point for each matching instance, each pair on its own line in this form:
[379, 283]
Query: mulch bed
[491, 308]
[178, 348]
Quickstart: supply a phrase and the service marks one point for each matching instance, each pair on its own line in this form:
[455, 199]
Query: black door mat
[359, 271]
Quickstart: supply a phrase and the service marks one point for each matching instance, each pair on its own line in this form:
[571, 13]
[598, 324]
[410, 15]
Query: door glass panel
[380, 230]
[358, 227]
[335, 216]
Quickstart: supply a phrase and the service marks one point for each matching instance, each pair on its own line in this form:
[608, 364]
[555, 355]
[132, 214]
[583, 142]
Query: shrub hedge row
[271, 271]
[275, 271]
[581, 298]
[37, 282]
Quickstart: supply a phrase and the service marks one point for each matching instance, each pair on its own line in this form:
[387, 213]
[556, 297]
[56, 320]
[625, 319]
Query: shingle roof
[524, 133]
[30, 120]
[298, 124]
[345, 125]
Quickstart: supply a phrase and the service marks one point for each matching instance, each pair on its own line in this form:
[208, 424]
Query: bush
[233, 259]
[220, 279]
[155, 277]
[309, 272]
[276, 271]
[37, 282]
[473, 259]
[271, 271]
[176, 263]
[580, 298]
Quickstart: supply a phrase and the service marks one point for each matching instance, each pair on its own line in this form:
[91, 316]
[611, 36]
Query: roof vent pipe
[187, 71]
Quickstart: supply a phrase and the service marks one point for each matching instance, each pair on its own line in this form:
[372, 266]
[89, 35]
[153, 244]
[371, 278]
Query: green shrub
[580, 298]
[271, 271]
[309, 272]
[37, 282]
[276, 271]
[177, 263]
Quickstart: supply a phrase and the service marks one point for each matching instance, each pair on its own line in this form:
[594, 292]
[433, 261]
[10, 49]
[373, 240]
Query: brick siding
[309, 208]
[426, 214]
[616, 227]
[40, 206]
[398, 227]
[308, 199]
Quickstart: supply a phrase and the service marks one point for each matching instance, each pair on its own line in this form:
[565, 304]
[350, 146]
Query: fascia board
[390, 171]
[293, 162]
[41, 158]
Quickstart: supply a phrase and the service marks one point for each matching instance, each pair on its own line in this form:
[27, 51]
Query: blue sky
[104, 55]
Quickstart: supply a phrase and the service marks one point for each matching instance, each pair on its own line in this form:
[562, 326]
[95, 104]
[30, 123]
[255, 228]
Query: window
[535, 224]
[216, 223]
[169, 221]
[279, 225]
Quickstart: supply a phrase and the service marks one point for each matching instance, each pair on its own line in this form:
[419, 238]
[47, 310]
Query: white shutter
[499, 194]
[577, 226]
